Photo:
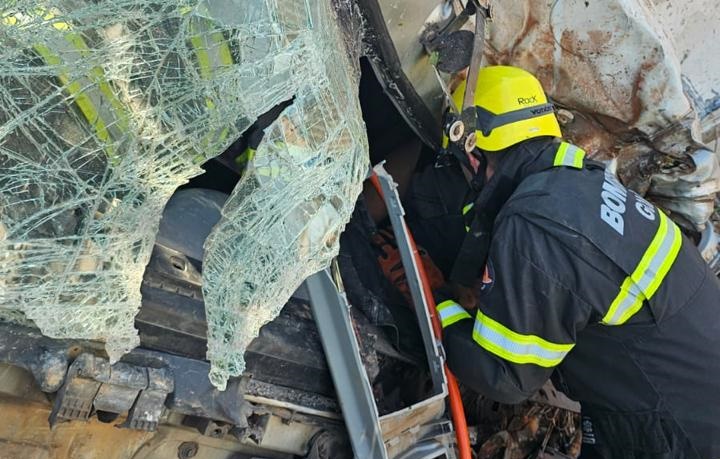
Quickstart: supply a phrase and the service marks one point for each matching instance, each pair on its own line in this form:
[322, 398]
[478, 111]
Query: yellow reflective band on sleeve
[8, 19]
[642, 284]
[102, 109]
[213, 55]
[245, 157]
[569, 155]
[515, 347]
[91, 93]
[451, 312]
[211, 49]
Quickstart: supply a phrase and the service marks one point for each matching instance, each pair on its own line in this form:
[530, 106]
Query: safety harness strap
[487, 120]
[476, 245]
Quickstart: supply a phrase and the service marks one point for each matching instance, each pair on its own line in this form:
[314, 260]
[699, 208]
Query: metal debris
[613, 66]
[547, 425]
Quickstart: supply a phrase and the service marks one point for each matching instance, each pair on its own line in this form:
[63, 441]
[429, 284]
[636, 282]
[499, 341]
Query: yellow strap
[465, 210]
[516, 347]
[644, 281]
[568, 155]
[211, 48]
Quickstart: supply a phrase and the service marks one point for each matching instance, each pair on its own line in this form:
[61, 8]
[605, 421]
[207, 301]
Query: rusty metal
[613, 69]
[187, 449]
[548, 395]
[92, 384]
[547, 424]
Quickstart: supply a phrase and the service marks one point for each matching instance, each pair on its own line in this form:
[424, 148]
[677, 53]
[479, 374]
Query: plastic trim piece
[396, 212]
[332, 316]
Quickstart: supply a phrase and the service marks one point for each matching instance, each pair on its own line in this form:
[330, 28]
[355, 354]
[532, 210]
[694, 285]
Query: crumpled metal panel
[614, 67]
[284, 218]
[106, 109]
[607, 59]
[692, 27]
[689, 194]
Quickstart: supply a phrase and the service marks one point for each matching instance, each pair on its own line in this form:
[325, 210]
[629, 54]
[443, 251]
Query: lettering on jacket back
[612, 208]
[614, 197]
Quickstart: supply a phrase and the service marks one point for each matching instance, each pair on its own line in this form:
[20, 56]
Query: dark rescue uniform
[589, 281]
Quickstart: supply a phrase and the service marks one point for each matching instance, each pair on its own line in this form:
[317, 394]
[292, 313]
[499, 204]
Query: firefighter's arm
[526, 322]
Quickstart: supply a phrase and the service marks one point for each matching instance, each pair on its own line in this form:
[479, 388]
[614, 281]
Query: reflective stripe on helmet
[451, 312]
[569, 155]
[487, 121]
[642, 284]
[515, 347]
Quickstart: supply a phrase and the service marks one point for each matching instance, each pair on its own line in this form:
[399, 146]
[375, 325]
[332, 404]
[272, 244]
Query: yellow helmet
[511, 106]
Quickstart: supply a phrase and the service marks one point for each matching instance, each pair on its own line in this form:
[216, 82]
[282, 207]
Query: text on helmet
[527, 100]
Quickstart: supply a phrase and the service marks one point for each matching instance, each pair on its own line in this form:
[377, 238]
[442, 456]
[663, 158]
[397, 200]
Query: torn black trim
[381, 52]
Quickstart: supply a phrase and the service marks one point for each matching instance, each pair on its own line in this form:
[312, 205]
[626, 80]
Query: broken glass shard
[284, 218]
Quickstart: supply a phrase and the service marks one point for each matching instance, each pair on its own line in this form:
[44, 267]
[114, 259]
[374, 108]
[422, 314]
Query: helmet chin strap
[474, 160]
[474, 169]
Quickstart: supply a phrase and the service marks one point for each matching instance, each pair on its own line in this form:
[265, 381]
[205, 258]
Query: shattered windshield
[109, 108]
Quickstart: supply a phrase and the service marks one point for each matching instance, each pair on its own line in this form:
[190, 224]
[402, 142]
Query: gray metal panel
[405, 22]
[351, 383]
[426, 450]
[429, 448]
[396, 212]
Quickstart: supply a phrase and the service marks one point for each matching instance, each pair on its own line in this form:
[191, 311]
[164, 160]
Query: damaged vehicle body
[183, 250]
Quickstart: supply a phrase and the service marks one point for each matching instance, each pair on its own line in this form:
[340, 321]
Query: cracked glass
[283, 220]
[109, 106]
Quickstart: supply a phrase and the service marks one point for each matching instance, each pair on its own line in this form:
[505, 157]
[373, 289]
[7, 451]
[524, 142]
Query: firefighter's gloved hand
[689, 197]
[465, 296]
[393, 269]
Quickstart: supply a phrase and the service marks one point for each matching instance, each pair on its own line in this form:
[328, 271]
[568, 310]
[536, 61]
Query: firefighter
[577, 278]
